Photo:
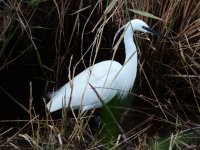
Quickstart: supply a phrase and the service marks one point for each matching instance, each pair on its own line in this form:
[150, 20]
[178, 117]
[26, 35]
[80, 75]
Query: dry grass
[166, 93]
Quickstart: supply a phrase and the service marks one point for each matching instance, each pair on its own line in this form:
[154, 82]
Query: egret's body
[109, 78]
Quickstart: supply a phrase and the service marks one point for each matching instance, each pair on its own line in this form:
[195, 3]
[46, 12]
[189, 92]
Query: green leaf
[143, 13]
[110, 6]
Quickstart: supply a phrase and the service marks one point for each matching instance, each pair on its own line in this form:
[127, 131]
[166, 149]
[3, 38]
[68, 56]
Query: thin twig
[126, 140]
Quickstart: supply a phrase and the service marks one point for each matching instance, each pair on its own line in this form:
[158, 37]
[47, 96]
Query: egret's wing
[99, 76]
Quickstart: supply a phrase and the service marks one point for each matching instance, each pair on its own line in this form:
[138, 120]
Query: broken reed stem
[30, 106]
[126, 140]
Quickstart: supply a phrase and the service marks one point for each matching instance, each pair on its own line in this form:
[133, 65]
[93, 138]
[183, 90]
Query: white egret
[109, 78]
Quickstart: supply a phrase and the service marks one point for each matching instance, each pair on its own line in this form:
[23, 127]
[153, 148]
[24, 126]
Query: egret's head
[139, 25]
[136, 25]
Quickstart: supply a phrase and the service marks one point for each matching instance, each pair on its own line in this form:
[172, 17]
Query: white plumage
[109, 78]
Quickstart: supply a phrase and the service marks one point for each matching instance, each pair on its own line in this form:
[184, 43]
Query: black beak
[154, 32]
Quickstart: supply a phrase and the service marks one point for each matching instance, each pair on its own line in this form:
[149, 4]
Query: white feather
[109, 78]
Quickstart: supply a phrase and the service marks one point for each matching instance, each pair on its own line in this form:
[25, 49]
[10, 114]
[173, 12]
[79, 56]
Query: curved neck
[130, 47]
[129, 68]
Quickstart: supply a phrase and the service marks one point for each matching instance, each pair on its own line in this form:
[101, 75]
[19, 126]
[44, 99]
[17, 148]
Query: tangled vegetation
[42, 42]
